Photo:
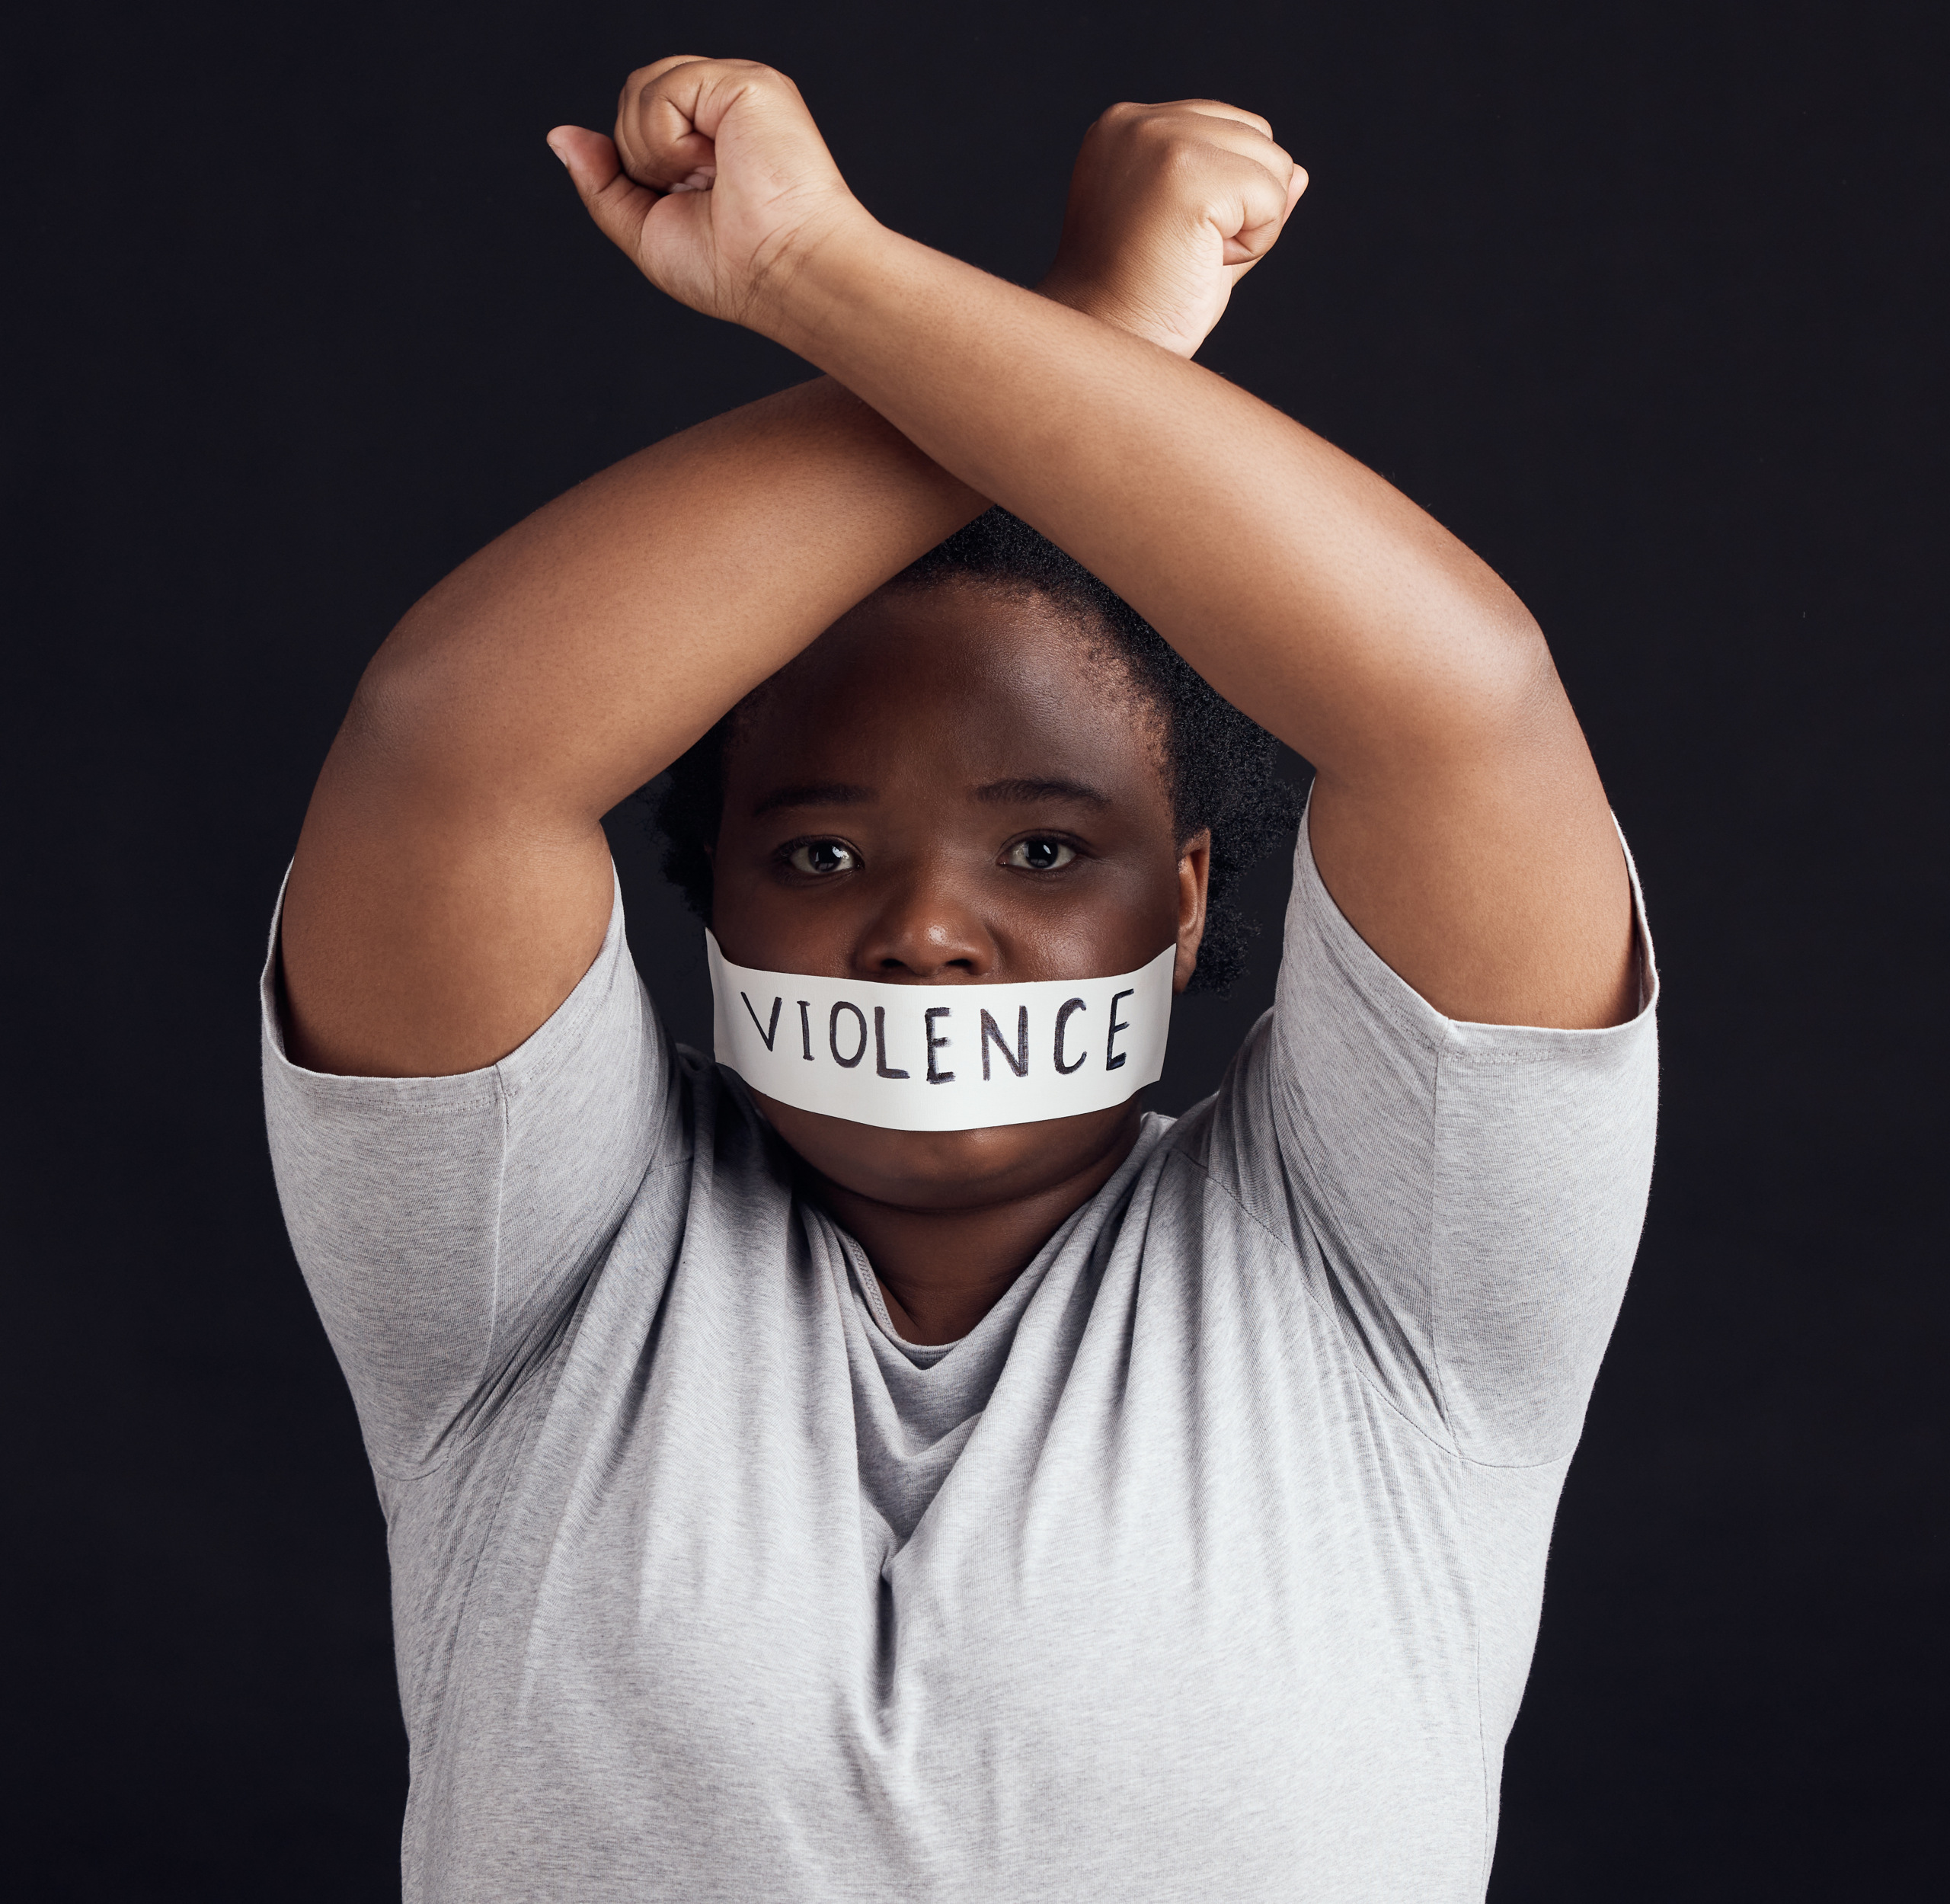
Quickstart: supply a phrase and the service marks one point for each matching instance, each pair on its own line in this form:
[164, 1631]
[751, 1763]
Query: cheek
[1117, 927]
[771, 928]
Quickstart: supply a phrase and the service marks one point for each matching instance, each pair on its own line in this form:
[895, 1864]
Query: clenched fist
[718, 184]
[1169, 207]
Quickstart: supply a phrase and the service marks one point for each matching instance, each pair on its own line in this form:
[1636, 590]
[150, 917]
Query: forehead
[962, 682]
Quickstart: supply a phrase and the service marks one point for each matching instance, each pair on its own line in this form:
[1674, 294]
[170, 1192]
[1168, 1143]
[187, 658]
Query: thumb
[616, 202]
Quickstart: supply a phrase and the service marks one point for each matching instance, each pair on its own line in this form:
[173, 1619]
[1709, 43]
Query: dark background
[1636, 299]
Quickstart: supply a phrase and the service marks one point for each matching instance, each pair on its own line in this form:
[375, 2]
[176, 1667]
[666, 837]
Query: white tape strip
[942, 1057]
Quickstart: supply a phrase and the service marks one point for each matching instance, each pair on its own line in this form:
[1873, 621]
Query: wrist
[1094, 300]
[814, 279]
[1079, 294]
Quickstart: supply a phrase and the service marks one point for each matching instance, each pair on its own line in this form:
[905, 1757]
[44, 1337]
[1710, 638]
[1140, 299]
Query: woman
[791, 1505]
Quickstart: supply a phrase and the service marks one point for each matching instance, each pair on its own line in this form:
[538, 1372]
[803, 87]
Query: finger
[670, 113]
[1226, 134]
[668, 63]
[615, 200]
[1263, 200]
[659, 143]
[1216, 109]
[1202, 121]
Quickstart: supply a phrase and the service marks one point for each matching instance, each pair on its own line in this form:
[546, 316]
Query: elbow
[1512, 681]
[406, 713]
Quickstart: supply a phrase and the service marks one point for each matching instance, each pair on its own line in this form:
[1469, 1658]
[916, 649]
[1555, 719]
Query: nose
[927, 927]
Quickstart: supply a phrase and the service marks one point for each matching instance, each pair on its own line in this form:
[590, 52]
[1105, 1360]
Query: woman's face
[948, 788]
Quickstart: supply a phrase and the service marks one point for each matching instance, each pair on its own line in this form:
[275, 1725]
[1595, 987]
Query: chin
[948, 1169]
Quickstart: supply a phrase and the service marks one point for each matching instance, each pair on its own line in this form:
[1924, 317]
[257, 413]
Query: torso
[1193, 1609]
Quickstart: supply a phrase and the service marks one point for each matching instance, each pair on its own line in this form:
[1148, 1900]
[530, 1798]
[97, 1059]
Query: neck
[942, 1271]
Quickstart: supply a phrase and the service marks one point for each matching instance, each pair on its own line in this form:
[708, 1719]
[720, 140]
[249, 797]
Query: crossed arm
[452, 883]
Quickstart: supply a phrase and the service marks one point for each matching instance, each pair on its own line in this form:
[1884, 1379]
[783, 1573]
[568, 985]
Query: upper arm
[429, 931]
[1466, 1197]
[445, 1223]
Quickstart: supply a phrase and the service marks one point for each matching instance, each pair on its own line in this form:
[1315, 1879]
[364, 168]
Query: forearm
[575, 656]
[1306, 588]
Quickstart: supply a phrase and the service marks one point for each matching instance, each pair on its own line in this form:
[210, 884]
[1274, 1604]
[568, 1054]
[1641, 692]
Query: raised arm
[1457, 819]
[452, 882]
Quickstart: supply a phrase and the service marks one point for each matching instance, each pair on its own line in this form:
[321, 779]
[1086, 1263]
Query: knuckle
[1113, 124]
[645, 78]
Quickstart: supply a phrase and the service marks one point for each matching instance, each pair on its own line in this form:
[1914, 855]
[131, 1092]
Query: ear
[1194, 871]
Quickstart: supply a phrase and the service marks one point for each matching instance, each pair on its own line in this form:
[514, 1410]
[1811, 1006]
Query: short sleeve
[1468, 1198]
[445, 1225]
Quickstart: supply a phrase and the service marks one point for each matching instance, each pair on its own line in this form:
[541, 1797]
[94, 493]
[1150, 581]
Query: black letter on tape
[1063, 1018]
[1018, 1060]
[1111, 1062]
[806, 1029]
[767, 1032]
[880, 1043]
[832, 1033]
[934, 1044]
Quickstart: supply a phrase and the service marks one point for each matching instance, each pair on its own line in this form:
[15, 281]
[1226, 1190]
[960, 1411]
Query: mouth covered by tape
[942, 1057]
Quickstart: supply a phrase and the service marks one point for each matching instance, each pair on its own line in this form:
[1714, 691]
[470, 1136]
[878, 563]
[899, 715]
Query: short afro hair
[1221, 767]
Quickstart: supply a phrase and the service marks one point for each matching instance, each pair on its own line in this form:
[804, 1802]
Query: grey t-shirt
[1207, 1566]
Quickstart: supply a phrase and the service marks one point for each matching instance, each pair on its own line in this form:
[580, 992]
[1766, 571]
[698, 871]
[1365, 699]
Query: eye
[1039, 853]
[822, 857]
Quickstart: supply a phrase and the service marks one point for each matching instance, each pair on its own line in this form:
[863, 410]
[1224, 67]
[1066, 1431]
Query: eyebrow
[1022, 792]
[1009, 793]
[815, 793]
